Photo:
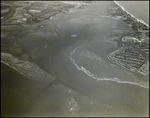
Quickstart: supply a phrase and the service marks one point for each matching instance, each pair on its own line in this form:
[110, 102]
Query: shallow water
[59, 64]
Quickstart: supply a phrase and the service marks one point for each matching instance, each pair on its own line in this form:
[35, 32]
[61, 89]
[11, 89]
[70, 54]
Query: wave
[87, 72]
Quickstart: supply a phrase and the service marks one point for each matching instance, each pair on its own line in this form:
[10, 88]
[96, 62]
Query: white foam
[131, 14]
[32, 10]
[24, 19]
[45, 46]
[130, 39]
[50, 17]
[21, 20]
[73, 35]
[71, 2]
[141, 84]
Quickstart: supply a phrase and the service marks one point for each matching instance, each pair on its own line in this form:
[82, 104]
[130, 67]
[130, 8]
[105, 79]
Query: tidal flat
[67, 58]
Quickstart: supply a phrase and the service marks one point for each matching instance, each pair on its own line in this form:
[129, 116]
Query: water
[71, 49]
[139, 9]
[59, 100]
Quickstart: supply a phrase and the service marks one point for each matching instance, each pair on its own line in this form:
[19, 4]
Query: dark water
[72, 47]
[20, 97]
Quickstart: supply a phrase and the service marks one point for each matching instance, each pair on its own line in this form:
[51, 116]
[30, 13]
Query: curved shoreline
[81, 40]
[79, 82]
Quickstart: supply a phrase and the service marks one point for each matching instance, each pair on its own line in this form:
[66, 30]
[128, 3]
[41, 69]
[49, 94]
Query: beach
[139, 9]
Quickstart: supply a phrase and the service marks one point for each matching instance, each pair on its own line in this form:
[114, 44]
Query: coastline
[123, 8]
[44, 48]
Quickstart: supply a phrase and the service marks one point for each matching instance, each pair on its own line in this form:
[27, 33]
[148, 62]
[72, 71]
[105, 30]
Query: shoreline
[44, 73]
[143, 22]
